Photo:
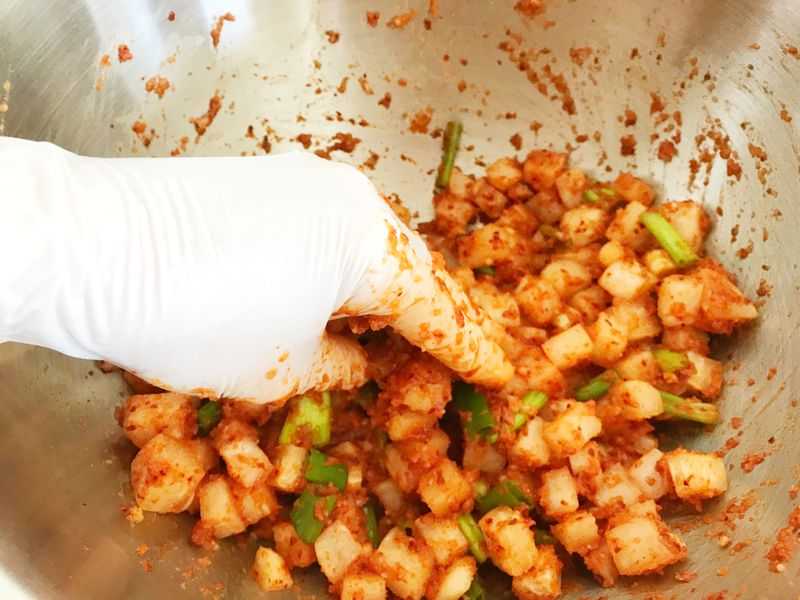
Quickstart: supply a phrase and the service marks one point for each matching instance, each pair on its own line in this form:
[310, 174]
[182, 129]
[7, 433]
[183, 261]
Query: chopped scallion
[371, 520]
[591, 196]
[533, 401]
[480, 421]
[480, 488]
[669, 238]
[519, 421]
[505, 493]
[318, 471]
[308, 412]
[474, 536]
[669, 360]
[542, 536]
[303, 515]
[475, 591]
[208, 416]
[596, 388]
[689, 410]
[452, 140]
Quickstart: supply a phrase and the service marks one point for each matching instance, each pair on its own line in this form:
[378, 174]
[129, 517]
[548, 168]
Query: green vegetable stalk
[480, 488]
[208, 416]
[303, 515]
[680, 252]
[670, 361]
[318, 471]
[371, 520]
[475, 591]
[505, 493]
[472, 532]
[591, 196]
[542, 536]
[596, 388]
[520, 419]
[480, 421]
[313, 413]
[452, 141]
[489, 271]
[610, 193]
[689, 410]
[532, 403]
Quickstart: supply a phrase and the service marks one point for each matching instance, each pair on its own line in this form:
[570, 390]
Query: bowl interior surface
[729, 81]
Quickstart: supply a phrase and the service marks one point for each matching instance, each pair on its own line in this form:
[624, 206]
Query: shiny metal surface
[63, 461]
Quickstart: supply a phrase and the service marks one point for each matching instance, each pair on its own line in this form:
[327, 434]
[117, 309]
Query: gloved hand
[217, 276]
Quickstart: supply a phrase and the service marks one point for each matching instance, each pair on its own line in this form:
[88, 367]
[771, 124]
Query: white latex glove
[217, 276]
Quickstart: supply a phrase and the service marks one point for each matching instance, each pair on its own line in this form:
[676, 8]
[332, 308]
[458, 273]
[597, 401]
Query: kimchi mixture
[413, 485]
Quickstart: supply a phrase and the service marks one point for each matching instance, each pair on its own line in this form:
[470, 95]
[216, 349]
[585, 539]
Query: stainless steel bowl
[726, 65]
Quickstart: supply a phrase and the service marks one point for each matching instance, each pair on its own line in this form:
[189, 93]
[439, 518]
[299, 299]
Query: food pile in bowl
[412, 485]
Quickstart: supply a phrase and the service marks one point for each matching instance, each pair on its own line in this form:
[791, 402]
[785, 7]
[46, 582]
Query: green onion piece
[596, 388]
[542, 536]
[670, 361]
[591, 196]
[532, 402]
[312, 413]
[514, 488]
[472, 532]
[689, 410]
[480, 488]
[669, 238]
[608, 192]
[366, 394]
[481, 421]
[208, 416]
[505, 493]
[305, 522]
[491, 437]
[475, 591]
[487, 270]
[330, 504]
[319, 472]
[452, 140]
[519, 421]
[371, 519]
